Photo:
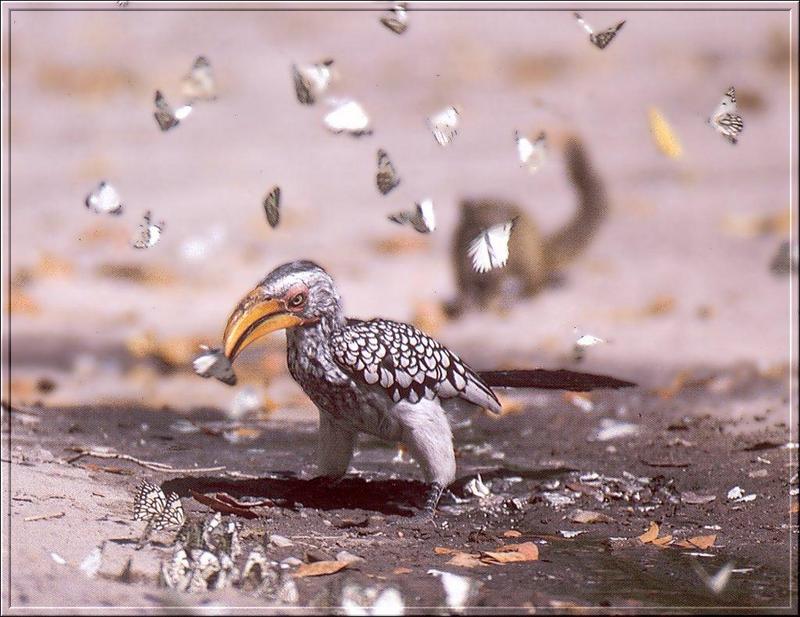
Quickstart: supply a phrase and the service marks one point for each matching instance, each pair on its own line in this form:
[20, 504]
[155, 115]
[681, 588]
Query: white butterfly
[718, 582]
[348, 117]
[199, 84]
[312, 80]
[176, 573]
[104, 200]
[589, 340]
[531, 153]
[444, 125]
[490, 249]
[725, 119]
[272, 205]
[163, 114]
[386, 178]
[423, 219]
[214, 363]
[397, 21]
[160, 511]
[603, 38]
[149, 233]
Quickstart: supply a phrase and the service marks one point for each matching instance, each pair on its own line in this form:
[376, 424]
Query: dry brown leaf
[320, 568]
[701, 542]
[402, 571]
[443, 550]
[794, 508]
[662, 542]
[512, 533]
[649, 535]
[512, 553]
[465, 560]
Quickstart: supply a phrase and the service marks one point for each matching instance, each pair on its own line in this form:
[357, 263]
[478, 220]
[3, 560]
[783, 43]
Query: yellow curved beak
[254, 318]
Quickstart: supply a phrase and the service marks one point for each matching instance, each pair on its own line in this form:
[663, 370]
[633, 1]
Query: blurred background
[677, 278]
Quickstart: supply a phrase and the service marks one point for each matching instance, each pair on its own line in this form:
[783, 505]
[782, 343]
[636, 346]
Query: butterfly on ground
[199, 83]
[725, 119]
[397, 20]
[104, 200]
[423, 218]
[272, 206]
[149, 233]
[164, 114]
[531, 153]
[348, 117]
[386, 178]
[159, 510]
[214, 363]
[444, 125]
[312, 80]
[603, 38]
[489, 250]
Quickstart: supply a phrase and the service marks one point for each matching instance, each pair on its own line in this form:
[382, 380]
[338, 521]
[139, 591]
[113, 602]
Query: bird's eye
[297, 300]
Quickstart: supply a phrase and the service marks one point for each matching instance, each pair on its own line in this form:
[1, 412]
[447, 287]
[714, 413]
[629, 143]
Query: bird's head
[294, 294]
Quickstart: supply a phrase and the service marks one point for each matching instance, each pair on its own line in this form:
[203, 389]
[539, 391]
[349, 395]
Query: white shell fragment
[214, 363]
[532, 154]
[444, 125]
[348, 117]
[149, 233]
[104, 200]
[490, 249]
[423, 219]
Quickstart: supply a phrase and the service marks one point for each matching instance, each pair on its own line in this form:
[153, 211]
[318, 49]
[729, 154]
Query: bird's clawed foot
[426, 518]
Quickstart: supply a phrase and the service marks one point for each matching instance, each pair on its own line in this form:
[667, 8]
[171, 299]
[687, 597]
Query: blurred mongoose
[534, 260]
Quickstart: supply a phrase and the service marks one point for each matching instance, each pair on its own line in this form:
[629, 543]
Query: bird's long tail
[560, 379]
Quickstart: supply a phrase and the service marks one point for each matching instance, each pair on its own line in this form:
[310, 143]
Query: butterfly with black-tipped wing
[725, 119]
[159, 510]
[214, 363]
[603, 38]
[422, 219]
[444, 125]
[272, 206]
[397, 20]
[104, 200]
[312, 80]
[386, 178]
[489, 250]
[149, 233]
[199, 84]
[532, 154]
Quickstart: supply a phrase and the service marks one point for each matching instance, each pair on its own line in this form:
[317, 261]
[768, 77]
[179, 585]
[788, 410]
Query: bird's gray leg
[426, 432]
[336, 445]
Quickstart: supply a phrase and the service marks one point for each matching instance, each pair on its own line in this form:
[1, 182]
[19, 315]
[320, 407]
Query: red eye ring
[297, 300]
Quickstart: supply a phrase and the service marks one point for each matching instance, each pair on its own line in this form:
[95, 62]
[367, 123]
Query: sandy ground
[101, 336]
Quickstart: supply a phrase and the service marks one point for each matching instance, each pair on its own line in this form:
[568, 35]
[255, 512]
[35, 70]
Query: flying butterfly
[531, 153]
[214, 363]
[199, 83]
[104, 200]
[444, 125]
[164, 115]
[386, 178]
[603, 38]
[149, 233]
[725, 119]
[489, 249]
[397, 20]
[312, 80]
[272, 206]
[348, 117]
[160, 511]
[422, 219]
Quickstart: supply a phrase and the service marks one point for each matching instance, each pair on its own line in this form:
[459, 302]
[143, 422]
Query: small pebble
[348, 557]
[292, 562]
[280, 541]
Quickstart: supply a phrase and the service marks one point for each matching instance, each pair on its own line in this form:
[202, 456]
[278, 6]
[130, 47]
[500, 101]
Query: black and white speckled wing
[408, 364]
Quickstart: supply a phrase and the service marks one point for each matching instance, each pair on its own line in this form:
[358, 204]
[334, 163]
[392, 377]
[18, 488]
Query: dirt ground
[98, 338]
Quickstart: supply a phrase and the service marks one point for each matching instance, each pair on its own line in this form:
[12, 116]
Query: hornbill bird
[380, 377]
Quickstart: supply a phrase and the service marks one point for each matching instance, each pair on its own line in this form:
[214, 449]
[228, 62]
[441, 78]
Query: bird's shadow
[386, 496]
